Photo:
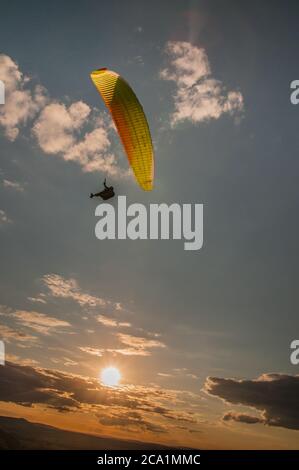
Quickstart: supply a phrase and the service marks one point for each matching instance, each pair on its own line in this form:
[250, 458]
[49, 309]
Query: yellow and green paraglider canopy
[131, 123]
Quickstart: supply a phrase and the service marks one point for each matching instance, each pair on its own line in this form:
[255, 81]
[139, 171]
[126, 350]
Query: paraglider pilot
[107, 193]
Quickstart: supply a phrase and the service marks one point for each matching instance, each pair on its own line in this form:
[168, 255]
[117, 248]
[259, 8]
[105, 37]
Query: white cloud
[59, 129]
[136, 345]
[3, 218]
[39, 322]
[21, 361]
[106, 321]
[133, 346]
[56, 124]
[198, 96]
[8, 334]
[188, 63]
[69, 289]
[69, 362]
[38, 299]
[93, 153]
[110, 322]
[92, 351]
[21, 103]
[13, 185]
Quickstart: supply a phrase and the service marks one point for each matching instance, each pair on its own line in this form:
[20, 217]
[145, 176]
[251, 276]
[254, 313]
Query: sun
[110, 376]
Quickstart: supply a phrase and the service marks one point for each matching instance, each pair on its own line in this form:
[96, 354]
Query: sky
[201, 338]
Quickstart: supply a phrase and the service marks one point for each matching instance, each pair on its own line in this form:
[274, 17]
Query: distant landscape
[18, 434]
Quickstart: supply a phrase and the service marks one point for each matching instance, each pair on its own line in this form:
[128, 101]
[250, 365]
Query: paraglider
[131, 123]
[105, 194]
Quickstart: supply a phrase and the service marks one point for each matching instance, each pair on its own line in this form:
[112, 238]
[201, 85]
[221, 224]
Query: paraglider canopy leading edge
[131, 123]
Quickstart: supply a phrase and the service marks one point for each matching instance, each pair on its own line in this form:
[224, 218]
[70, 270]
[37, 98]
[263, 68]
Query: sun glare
[110, 376]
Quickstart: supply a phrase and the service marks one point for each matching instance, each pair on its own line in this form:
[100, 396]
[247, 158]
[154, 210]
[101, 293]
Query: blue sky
[228, 310]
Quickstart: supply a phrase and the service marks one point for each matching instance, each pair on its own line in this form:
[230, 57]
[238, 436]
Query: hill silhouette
[18, 433]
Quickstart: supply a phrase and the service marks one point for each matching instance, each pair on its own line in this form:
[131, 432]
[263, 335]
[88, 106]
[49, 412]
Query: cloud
[135, 406]
[124, 324]
[39, 321]
[93, 153]
[110, 322]
[56, 125]
[38, 299]
[58, 129]
[242, 418]
[275, 395]
[7, 333]
[21, 360]
[69, 289]
[13, 185]
[192, 376]
[3, 218]
[136, 345]
[92, 351]
[179, 372]
[198, 96]
[73, 132]
[106, 321]
[21, 103]
[132, 421]
[69, 362]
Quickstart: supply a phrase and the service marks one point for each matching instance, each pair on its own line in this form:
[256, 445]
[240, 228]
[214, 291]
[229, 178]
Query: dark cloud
[27, 385]
[276, 395]
[131, 420]
[133, 406]
[57, 389]
[242, 418]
